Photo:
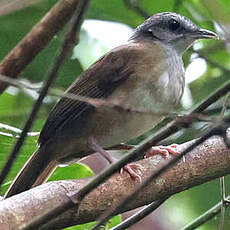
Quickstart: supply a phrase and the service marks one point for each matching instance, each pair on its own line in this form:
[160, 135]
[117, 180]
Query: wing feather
[99, 81]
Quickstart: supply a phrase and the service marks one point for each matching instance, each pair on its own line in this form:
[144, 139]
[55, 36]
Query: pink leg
[163, 150]
[129, 168]
[99, 149]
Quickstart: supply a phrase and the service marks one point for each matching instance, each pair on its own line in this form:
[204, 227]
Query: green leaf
[111, 223]
[74, 171]
[87, 226]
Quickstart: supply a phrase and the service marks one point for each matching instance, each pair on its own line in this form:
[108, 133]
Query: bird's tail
[34, 172]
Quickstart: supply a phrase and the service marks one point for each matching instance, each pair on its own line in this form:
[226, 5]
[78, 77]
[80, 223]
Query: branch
[152, 140]
[206, 162]
[177, 5]
[37, 39]
[139, 215]
[208, 215]
[134, 5]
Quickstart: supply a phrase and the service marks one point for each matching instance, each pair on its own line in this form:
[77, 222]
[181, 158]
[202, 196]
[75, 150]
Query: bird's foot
[163, 150]
[131, 169]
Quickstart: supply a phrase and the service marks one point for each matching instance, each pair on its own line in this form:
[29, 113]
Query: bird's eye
[149, 31]
[173, 24]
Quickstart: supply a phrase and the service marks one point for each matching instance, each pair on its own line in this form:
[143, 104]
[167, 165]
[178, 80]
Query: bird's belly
[108, 127]
[112, 127]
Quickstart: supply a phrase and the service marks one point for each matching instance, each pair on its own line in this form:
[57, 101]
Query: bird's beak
[202, 33]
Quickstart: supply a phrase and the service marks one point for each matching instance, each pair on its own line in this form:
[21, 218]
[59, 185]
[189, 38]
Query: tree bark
[206, 162]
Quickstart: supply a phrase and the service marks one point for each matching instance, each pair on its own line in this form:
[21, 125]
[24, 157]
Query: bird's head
[172, 29]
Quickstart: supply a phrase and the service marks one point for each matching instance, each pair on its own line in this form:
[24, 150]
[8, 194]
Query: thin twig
[223, 206]
[7, 7]
[222, 183]
[212, 212]
[135, 6]
[68, 44]
[106, 104]
[213, 63]
[214, 110]
[177, 5]
[139, 215]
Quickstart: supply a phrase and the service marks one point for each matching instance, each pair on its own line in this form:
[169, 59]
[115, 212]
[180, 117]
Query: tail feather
[35, 172]
[46, 173]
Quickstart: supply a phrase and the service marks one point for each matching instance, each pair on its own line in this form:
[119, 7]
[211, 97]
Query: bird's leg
[163, 150]
[129, 168]
[97, 148]
[122, 146]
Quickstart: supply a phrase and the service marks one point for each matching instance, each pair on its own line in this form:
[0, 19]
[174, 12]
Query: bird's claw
[163, 150]
[130, 169]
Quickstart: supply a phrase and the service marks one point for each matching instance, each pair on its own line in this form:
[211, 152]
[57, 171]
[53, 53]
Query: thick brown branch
[36, 39]
[206, 162]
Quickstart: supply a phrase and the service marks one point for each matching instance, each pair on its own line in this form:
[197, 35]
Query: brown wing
[98, 81]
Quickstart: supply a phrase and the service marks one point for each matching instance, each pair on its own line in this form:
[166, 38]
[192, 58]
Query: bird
[144, 77]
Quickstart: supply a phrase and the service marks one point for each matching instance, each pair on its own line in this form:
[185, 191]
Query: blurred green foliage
[15, 105]
[111, 223]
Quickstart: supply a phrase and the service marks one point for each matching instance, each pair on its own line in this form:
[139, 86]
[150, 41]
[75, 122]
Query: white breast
[161, 95]
[153, 96]
[170, 85]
